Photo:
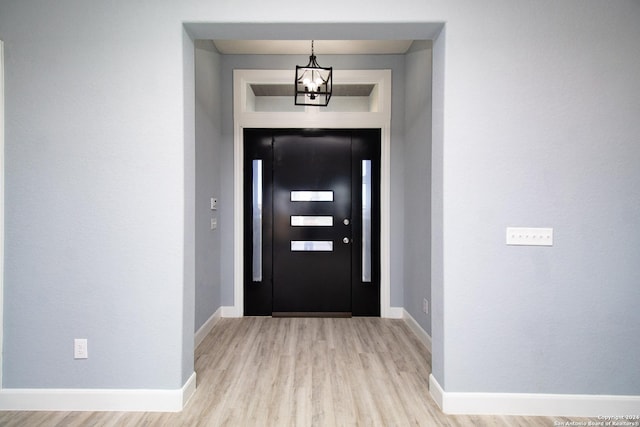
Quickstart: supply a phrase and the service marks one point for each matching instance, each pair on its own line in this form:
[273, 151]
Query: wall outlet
[526, 236]
[425, 306]
[80, 349]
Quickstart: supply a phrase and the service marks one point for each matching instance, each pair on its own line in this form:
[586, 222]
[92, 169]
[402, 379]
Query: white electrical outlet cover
[80, 350]
[528, 236]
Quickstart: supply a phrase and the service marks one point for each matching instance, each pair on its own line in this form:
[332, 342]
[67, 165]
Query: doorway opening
[423, 128]
[248, 115]
[312, 222]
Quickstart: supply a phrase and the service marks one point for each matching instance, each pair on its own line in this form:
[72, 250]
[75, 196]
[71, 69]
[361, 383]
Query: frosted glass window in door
[311, 221]
[366, 220]
[311, 246]
[312, 196]
[256, 208]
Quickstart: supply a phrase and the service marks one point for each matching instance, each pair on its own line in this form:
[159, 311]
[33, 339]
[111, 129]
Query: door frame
[262, 294]
[312, 117]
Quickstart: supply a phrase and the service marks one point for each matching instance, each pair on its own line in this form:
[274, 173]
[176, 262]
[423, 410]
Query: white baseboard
[231, 311]
[395, 313]
[532, 404]
[97, 399]
[188, 390]
[436, 392]
[422, 335]
[204, 330]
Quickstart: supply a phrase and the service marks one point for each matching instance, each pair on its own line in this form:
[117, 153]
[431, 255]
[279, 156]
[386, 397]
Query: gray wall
[95, 196]
[345, 62]
[417, 178]
[537, 126]
[437, 202]
[208, 159]
[541, 129]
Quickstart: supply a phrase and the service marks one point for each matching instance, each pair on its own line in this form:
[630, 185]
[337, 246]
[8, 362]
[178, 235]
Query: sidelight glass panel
[257, 219]
[311, 246]
[311, 221]
[312, 196]
[366, 220]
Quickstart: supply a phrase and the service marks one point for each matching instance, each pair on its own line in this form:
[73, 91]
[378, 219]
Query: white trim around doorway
[312, 117]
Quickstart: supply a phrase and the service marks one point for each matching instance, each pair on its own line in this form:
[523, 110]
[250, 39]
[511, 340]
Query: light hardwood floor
[261, 371]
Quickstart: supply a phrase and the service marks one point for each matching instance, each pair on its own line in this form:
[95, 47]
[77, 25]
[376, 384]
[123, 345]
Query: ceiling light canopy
[313, 84]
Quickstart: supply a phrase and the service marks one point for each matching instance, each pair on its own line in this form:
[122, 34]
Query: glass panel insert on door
[257, 219]
[312, 196]
[366, 220]
[311, 246]
[311, 221]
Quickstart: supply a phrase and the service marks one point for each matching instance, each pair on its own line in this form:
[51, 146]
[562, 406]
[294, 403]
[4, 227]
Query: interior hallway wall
[541, 130]
[417, 176]
[95, 196]
[208, 159]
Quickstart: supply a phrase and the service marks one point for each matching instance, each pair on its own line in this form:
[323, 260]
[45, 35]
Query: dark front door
[311, 222]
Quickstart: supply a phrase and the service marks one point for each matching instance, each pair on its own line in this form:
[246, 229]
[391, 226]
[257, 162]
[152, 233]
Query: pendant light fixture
[313, 83]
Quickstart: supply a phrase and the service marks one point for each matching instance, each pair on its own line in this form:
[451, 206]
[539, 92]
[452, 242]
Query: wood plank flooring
[262, 371]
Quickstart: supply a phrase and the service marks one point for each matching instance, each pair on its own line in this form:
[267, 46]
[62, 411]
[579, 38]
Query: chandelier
[313, 83]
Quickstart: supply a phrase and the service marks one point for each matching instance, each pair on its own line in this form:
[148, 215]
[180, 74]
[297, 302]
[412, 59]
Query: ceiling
[321, 47]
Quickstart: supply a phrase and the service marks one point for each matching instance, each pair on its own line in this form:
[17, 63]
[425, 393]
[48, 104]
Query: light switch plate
[527, 236]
